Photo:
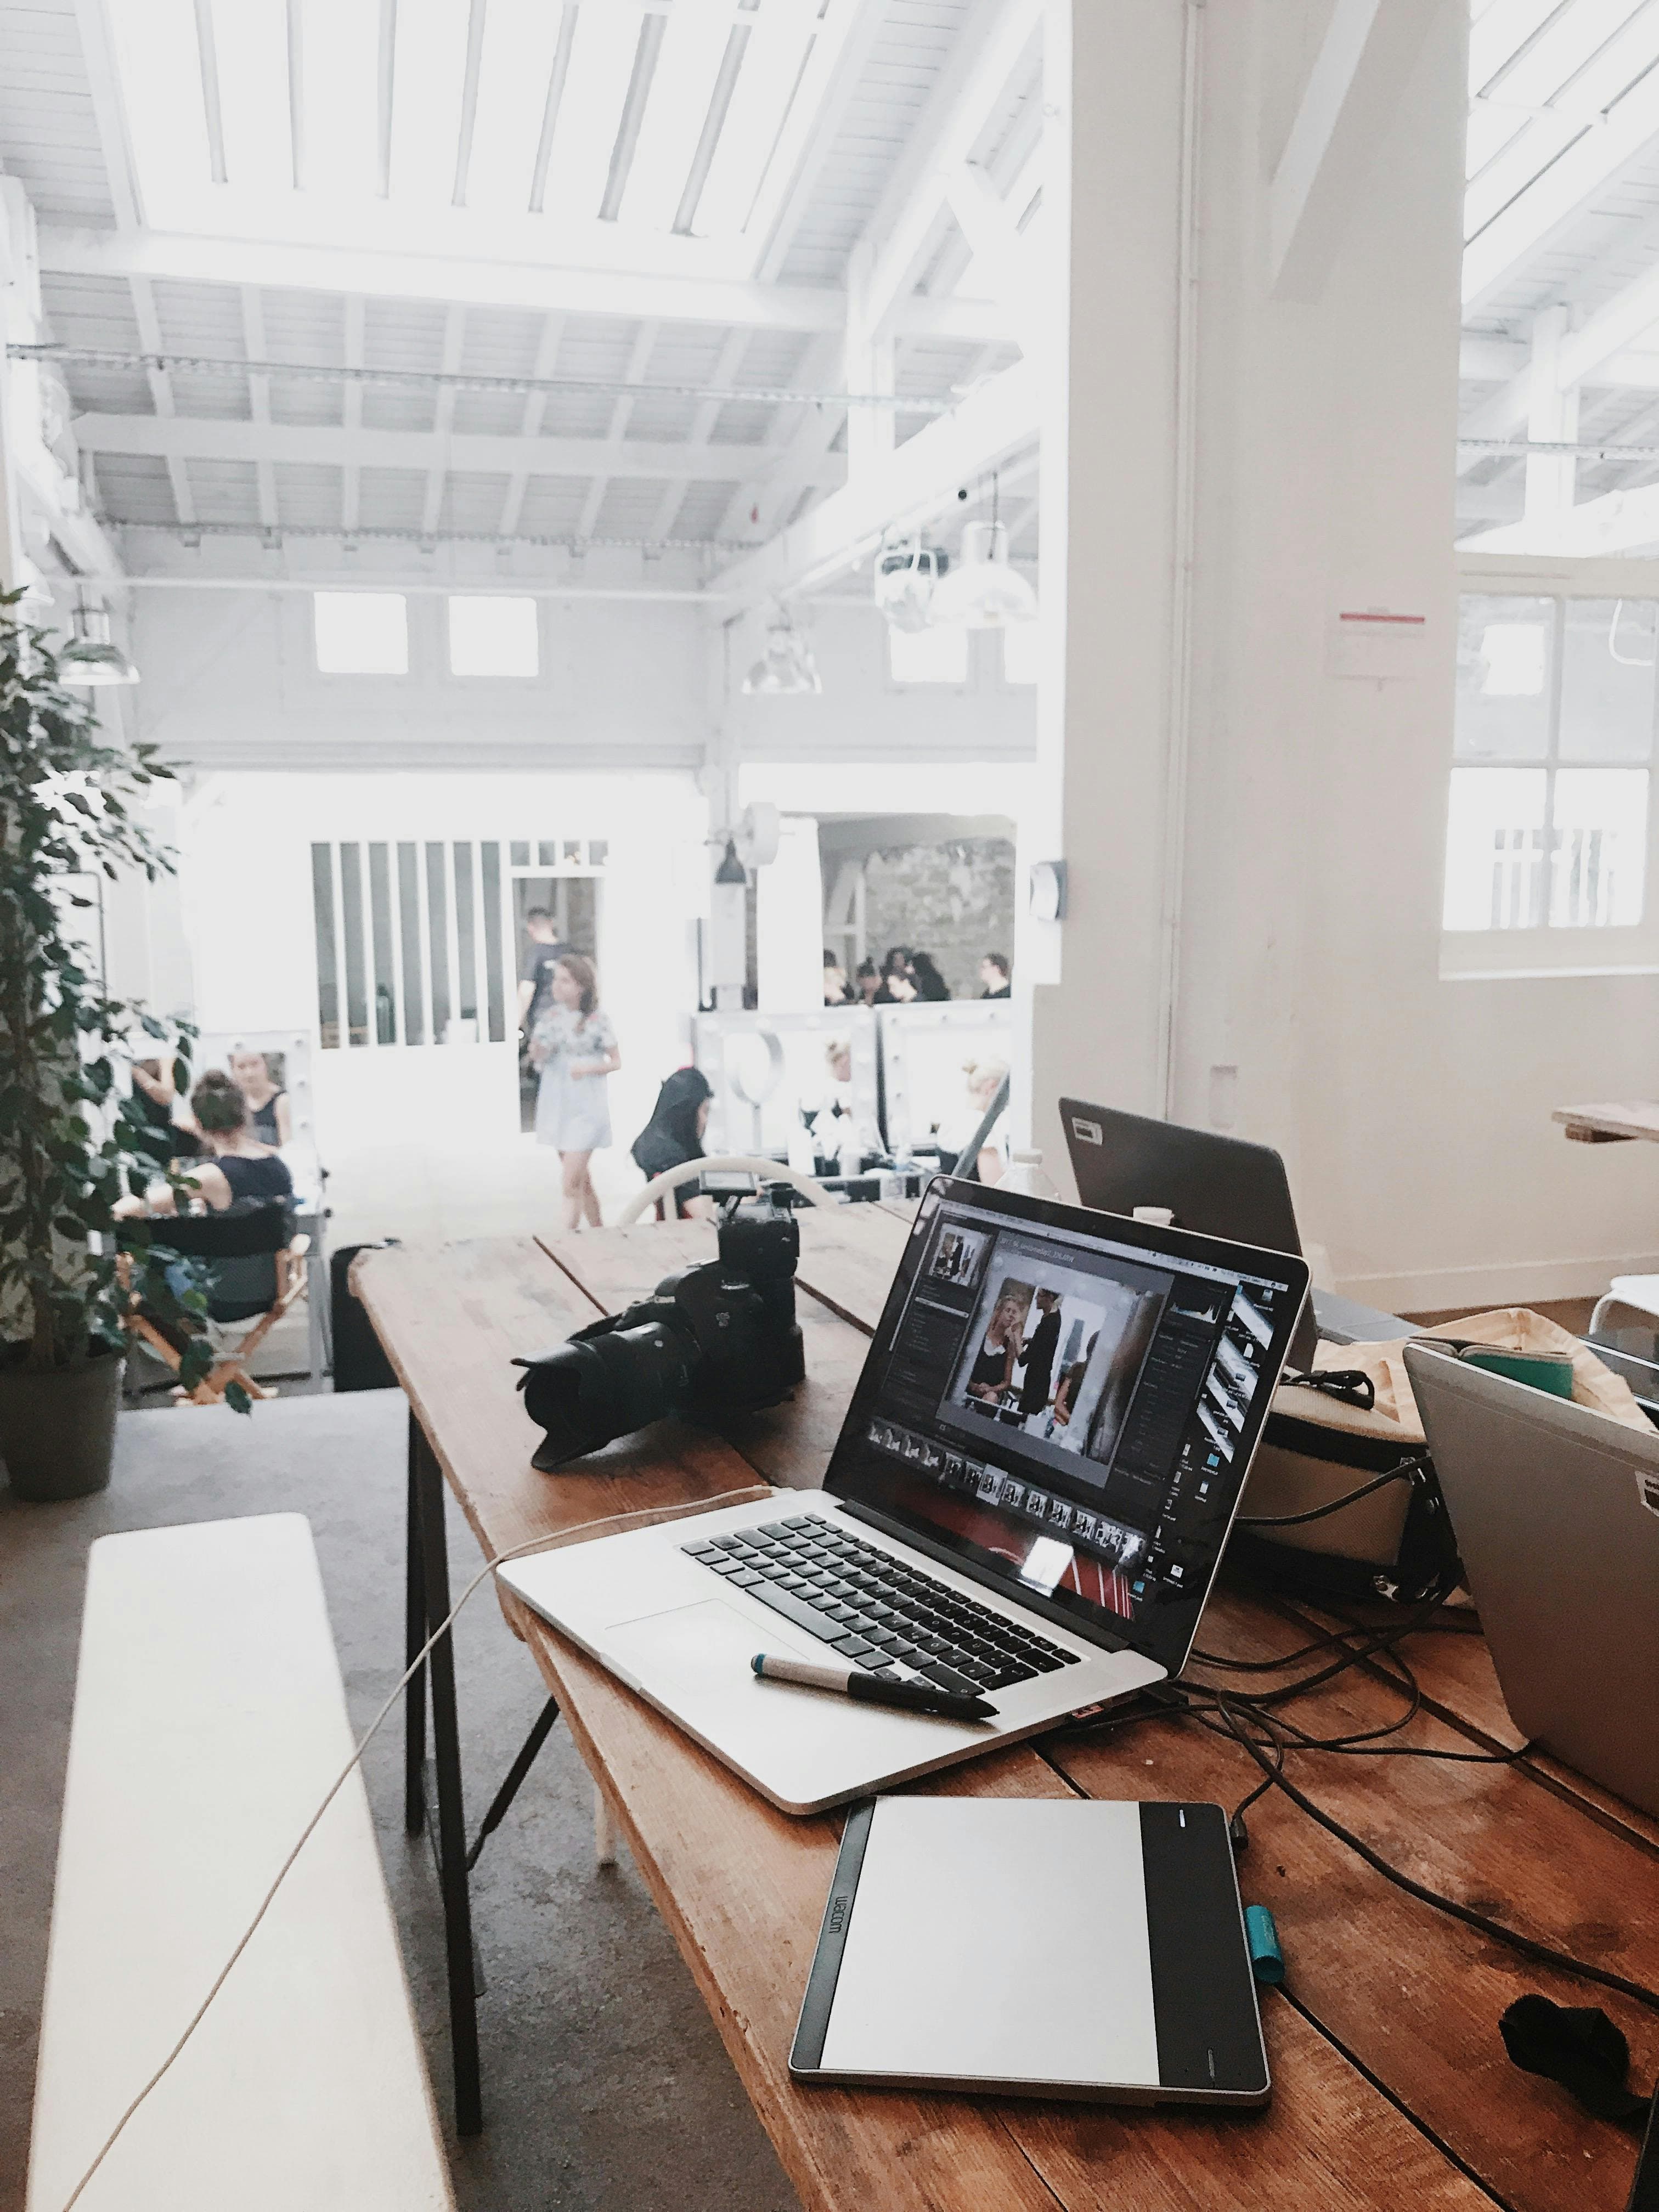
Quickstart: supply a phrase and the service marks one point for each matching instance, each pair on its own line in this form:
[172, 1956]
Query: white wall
[231, 681]
[1414, 1113]
[247, 881]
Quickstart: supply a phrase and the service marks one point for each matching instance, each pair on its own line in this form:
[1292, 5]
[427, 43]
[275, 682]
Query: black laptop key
[946, 1678]
[853, 1647]
[744, 1578]
[804, 1615]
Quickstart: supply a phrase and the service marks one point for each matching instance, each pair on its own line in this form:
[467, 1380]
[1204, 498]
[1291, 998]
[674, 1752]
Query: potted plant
[69, 1141]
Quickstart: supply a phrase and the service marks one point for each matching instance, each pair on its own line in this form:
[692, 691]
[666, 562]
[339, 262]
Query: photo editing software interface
[1074, 1412]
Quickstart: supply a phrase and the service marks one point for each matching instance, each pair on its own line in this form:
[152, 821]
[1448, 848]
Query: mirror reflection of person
[993, 1371]
[930, 986]
[1038, 1352]
[269, 1113]
[994, 974]
[239, 1170]
[574, 1049]
[837, 992]
[869, 983]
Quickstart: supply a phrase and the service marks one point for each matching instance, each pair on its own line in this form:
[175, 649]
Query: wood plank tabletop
[1615, 1122]
[1391, 2086]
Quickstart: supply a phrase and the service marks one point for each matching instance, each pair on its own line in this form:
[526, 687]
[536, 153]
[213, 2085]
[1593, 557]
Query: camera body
[718, 1338]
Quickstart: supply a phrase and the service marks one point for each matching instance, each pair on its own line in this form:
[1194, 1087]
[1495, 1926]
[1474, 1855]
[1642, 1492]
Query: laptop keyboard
[876, 1610]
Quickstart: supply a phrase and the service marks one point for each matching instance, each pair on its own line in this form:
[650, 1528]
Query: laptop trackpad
[706, 1647]
[800, 1745]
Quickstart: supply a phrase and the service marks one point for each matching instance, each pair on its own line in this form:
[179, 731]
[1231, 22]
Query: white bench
[210, 1721]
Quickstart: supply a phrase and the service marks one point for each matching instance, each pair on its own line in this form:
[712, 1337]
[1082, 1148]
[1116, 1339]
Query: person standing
[542, 954]
[575, 1048]
[1040, 1349]
[994, 974]
[930, 986]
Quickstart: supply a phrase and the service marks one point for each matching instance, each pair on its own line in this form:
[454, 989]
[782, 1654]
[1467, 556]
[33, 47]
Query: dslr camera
[716, 1339]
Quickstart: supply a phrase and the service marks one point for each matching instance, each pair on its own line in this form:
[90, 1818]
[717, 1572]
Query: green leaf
[237, 1398]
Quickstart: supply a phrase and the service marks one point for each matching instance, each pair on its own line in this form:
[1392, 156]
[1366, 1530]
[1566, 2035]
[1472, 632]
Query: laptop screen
[1069, 1407]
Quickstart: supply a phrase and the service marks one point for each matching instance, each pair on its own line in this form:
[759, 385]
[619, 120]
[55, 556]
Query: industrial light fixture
[982, 591]
[91, 657]
[731, 870]
[787, 667]
[907, 572]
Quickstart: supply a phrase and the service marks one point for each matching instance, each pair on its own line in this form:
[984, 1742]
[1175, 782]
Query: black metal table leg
[447, 1760]
[415, 1635]
[515, 1774]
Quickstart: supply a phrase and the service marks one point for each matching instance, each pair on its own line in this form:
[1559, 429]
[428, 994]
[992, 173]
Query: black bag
[359, 1362]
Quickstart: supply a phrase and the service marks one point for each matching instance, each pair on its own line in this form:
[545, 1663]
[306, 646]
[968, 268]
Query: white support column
[870, 364]
[351, 415]
[1114, 96]
[1552, 415]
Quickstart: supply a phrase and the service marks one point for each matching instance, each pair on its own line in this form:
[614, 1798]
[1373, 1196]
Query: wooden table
[1614, 1123]
[1392, 2087]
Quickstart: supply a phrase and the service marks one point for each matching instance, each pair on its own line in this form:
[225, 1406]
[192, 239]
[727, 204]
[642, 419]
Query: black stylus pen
[874, 1689]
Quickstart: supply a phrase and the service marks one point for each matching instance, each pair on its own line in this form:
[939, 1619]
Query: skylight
[653, 118]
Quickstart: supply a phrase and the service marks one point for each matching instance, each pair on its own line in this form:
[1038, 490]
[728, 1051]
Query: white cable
[499, 1559]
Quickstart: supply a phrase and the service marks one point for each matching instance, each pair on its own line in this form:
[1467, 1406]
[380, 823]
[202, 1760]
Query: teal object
[1544, 1370]
[1267, 1959]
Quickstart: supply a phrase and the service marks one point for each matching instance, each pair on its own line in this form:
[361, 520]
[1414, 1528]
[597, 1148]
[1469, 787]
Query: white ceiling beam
[645, 340]
[921, 476]
[962, 105]
[351, 417]
[443, 418]
[1349, 103]
[1537, 217]
[470, 281]
[1487, 359]
[797, 438]
[841, 49]
[161, 393]
[1628, 316]
[184, 437]
[722, 302]
[109, 116]
[708, 414]
[535, 406]
[995, 240]
[1616, 523]
[258, 389]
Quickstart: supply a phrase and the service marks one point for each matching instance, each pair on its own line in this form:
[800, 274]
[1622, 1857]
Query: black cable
[1528, 1946]
[1405, 1471]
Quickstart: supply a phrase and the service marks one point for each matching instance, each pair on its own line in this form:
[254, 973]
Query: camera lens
[585, 1393]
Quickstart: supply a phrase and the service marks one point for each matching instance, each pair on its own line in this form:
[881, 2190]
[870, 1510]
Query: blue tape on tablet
[1267, 1959]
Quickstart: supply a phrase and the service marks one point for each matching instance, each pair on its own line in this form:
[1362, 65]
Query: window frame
[1539, 949]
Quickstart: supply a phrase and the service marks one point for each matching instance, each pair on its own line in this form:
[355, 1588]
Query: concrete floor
[605, 2087]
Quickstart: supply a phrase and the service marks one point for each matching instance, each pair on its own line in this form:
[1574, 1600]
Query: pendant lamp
[982, 591]
[787, 667]
[90, 657]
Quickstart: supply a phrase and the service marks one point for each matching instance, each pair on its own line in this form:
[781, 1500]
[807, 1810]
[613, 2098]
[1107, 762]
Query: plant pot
[57, 1430]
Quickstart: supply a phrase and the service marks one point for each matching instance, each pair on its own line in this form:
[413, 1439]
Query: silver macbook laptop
[1027, 1501]
[1556, 1512]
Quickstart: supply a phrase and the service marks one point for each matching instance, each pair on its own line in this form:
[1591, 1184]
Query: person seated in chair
[674, 1134]
[238, 1170]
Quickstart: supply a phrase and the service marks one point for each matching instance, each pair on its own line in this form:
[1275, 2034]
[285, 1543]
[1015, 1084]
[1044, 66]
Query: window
[928, 656]
[1022, 649]
[361, 633]
[1549, 819]
[494, 637]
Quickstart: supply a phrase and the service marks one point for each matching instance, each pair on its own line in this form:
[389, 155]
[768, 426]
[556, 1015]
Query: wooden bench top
[1391, 2086]
[209, 1722]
